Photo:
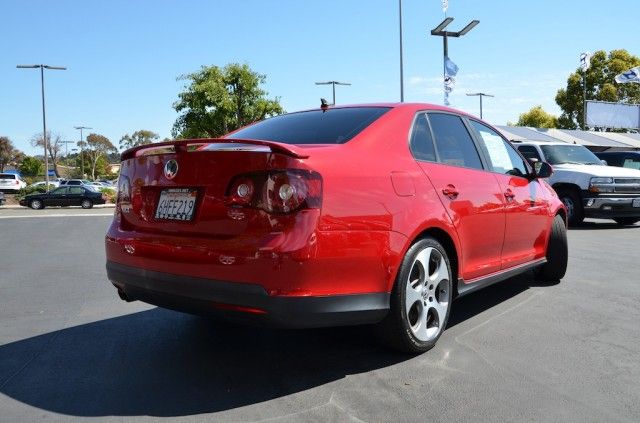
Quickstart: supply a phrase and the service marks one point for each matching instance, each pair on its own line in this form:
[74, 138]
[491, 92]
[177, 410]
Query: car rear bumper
[245, 302]
[611, 207]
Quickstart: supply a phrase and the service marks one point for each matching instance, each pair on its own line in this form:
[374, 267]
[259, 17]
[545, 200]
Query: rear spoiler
[209, 144]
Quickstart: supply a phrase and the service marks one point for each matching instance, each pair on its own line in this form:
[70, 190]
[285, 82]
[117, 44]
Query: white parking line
[56, 215]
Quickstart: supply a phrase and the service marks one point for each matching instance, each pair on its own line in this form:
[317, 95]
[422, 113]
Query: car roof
[411, 106]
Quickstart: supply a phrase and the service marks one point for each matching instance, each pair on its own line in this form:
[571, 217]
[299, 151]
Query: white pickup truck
[586, 186]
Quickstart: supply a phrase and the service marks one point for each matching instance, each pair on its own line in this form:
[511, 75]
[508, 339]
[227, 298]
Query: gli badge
[170, 169]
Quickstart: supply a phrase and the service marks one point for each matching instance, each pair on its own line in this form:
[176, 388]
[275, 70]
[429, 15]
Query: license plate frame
[635, 202]
[176, 204]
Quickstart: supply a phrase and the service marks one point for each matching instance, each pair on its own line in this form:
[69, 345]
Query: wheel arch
[448, 243]
[567, 186]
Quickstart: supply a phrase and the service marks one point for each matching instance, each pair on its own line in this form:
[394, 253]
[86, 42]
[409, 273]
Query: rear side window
[334, 126]
[76, 190]
[7, 176]
[453, 142]
[421, 142]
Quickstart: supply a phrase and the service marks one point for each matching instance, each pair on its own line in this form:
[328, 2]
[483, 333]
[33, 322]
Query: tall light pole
[401, 67]
[440, 32]
[44, 118]
[333, 84]
[80, 144]
[480, 95]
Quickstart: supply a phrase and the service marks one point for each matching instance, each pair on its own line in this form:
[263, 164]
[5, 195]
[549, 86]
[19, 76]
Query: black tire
[86, 204]
[571, 200]
[557, 253]
[396, 329]
[626, 221]
[36, 204]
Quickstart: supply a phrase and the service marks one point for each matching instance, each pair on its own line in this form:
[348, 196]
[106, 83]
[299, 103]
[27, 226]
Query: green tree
[30, 166]
[537, 118]
[9, 155]
[218, 100]
[97, 146]
[141, 137]
[600, 86]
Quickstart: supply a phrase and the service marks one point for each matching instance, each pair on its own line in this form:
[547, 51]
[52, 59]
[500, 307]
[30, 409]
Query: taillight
[123, 198]
[281, 191]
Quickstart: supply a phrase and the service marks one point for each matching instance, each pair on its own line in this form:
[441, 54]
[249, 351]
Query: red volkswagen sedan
[349, 215]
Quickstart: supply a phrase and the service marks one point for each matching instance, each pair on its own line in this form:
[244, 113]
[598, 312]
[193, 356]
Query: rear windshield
[7, 176]
[334, 126]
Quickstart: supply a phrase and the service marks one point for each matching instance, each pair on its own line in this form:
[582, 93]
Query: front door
[526, 205]
[470, 194]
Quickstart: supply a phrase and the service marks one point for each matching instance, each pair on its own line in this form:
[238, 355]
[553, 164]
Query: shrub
[110, 194]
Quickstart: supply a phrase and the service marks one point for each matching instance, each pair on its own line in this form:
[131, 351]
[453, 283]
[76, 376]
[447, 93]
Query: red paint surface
[376, 200]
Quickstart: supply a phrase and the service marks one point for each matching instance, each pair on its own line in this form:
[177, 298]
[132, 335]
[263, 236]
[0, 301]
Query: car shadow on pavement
[163, 363]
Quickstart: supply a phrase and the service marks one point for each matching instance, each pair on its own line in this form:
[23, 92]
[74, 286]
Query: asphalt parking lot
[517, 351]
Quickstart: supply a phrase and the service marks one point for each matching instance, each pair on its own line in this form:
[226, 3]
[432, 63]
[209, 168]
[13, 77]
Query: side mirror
[543, 170]
[604, 162]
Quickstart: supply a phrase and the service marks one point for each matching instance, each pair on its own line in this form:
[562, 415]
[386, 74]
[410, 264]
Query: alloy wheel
[427, 296]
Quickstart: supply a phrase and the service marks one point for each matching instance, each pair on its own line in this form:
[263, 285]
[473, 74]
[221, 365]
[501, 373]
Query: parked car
[11, 182]
[83, 196]
[586, 186]
[66, 182]
[52, 183]
[630, 159]
[337, 216]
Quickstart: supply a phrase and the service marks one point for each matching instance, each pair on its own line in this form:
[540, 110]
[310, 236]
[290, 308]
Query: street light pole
[44, 118]
[333, 84]
[80, 144]
[440, 32]
[480, 95]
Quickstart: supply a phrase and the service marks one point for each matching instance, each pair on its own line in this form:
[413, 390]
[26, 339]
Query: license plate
[176, 204]
[635, 202]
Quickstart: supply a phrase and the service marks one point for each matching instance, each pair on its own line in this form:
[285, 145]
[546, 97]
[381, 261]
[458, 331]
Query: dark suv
[630, 159]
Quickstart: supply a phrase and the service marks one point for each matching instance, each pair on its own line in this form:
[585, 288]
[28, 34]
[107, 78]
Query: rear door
[526, 205]
[56, 197]
[446, 152]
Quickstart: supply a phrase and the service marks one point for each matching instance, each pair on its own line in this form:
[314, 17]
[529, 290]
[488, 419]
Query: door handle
[450, 191]
[509, 195]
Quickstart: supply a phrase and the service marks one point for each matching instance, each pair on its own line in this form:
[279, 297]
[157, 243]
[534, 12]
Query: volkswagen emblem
[170, 169]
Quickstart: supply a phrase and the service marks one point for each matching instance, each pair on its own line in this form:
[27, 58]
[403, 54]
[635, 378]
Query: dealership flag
[585, 61]
[450, 71]
[632, 75]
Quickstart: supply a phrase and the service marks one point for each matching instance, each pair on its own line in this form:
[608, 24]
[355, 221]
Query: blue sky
[123, 57]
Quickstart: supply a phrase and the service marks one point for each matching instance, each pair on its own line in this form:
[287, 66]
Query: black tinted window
[529, 152]
[455, 145]
[335, 126]
[421, 141]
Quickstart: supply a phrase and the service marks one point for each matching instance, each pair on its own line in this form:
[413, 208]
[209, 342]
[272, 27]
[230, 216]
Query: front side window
[453, 142]
[503, 157]
[59, 191]
[421, 142]
[529, 152]
[76, 190]
[333, 126]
